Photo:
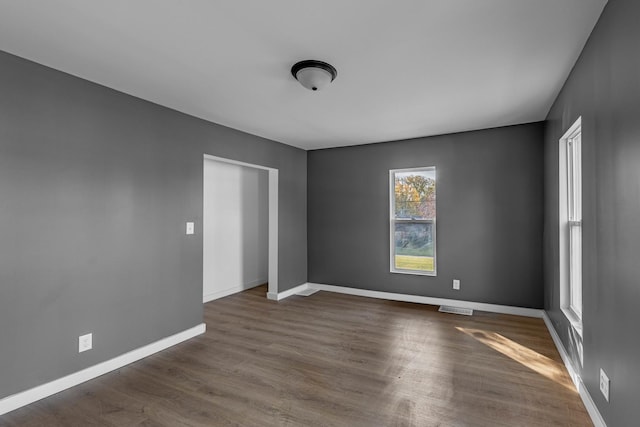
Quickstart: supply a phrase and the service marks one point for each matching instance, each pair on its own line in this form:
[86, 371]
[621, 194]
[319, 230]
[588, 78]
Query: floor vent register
[455, 310]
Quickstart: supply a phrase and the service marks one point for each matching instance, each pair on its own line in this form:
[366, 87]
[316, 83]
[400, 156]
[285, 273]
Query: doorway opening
[240, 223]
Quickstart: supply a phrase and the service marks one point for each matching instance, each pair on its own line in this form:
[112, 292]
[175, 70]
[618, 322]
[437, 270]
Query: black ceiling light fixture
[314, 75]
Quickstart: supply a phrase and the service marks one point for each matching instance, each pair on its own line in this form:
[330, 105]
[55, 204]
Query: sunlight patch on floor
[533, 360]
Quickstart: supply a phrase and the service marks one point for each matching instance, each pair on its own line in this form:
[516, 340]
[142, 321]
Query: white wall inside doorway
[235, 228]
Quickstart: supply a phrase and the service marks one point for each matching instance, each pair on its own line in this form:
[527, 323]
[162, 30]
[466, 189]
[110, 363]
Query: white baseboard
[232, 290]
[307, 292]
[282, 295]
[592, 409]
[24, 398]
[493, 308]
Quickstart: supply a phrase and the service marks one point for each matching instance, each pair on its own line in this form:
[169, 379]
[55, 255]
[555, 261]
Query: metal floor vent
[456, 310]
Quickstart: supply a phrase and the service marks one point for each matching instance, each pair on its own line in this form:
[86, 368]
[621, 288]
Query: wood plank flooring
[332, 360]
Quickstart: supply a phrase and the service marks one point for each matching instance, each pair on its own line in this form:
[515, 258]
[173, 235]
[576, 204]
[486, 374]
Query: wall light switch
[190, 228]
[456, 284]
[85, 342]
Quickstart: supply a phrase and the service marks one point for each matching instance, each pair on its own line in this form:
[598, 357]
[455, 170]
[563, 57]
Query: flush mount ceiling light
[314, 75]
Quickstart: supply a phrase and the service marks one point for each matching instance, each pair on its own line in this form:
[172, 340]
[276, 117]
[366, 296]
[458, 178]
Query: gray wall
[489, 215]
[603, 88]
[95, 190]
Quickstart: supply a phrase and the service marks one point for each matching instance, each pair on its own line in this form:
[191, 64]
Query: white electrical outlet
[604, 384]
[190, 228]
[456, 284]
[85, 342]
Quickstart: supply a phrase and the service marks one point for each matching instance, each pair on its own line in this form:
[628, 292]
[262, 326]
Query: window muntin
[413, 220]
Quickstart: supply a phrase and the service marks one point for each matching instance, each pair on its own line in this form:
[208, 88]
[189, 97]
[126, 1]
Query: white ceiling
[406, 68]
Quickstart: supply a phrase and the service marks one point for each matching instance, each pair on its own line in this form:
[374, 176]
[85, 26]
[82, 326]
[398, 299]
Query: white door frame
[273, 217]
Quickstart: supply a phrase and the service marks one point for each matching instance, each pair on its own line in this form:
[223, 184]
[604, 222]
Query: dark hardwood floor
[332, 360]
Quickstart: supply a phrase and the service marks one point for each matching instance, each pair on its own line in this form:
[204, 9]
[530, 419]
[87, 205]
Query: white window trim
[392, 222]
[574, 317]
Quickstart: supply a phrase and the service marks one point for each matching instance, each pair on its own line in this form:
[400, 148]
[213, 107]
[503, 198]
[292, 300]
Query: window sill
[576, 322]
[415, 272]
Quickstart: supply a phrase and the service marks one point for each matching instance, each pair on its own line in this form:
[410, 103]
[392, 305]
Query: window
[413, 220]
[571, 224]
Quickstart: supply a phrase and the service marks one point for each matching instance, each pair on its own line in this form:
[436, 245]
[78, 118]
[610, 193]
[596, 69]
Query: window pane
[415, 194]
[575, 268]
[574, 177]
[414, 246]
[577, 178]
